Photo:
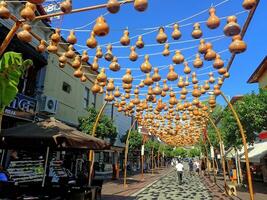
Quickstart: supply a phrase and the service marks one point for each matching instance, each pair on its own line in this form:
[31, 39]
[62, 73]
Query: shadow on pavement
[116, 197]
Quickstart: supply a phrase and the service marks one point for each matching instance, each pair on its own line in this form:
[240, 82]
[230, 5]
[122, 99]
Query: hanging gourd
[161, 37]
[196, 33]
[157, 90]
[178, 58]
[63, 58]
[36, 1]
[52, 47]
[226, 75]
[180, 83]
[202, 48]
[210, 54]
[237, 45]
[99, 53]
[187, 69]
[148, 81]
[125, 39]
[163, 93]
[114, 65]
[196, 92]
[140, 5]
[70, 53]
[202, 90]
[127, 78]
[25, 34]
[108, 55]
[95, 64]
[28, 12]
[150, 90]
[136, 100]
[156, 77]
[165, 86]
[172, 100]
[133, 55]
[222, 71]
[66, 6]
[184, 91]
[126, 86]
[220, 81]
[198, 63]
[166, 51]
[194, 78]
[102, 77]
[41, 47]
[85, 57]
[91, 42]
[141, 84]
[232, 27]
[76, 62]
[110, 85]
[96, 88]
[61, 65]
[218, 62]
[83, 78]
[213, 21]
[101, 27]
[211, 79]
[117, 92]
[72, 38]
[216, 90]
[113, 6]
[146, 66]
[4, 11]
[78, 73]
[172, 75]
[140, 43]
[206, 85]
[176, 34]
[136, 90]
[249, 4]
[55, 37]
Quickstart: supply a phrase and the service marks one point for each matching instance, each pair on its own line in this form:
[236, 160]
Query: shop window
[94, 101]
[86, 97]
[66, 87]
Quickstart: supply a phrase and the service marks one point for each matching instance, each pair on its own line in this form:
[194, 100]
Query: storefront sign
[22, 107]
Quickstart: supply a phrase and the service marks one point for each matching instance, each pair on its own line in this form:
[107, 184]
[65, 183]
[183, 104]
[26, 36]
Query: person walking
[179, 168]
[203, 167]
[197, 165]
[191, 167]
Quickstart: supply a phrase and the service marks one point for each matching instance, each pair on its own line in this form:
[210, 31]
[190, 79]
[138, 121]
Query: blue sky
[163, 12]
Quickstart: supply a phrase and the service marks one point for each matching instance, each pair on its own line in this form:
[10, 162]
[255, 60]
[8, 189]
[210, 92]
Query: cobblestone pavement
[168, 188]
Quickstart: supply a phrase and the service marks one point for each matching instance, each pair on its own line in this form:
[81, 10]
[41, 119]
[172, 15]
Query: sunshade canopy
[52, 133]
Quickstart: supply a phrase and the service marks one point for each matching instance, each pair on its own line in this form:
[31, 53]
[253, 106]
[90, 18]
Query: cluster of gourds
[176, 122]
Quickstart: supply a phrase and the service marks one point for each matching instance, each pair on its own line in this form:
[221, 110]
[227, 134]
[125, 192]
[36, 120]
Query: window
[94, 101]
[66, 87]
[86, 97]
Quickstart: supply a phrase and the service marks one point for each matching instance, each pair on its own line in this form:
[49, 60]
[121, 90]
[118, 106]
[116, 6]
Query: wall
[122, 122]
[70, 105]
[263, 80]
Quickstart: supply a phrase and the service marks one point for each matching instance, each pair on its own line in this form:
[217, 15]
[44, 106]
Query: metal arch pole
[244, 141]
[213, 162]
[126, 154]
[91, 152]
[219, 135]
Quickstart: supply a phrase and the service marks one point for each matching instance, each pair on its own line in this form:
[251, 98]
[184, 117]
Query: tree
[252, 111]
[194, 152]
[12, 67]
[135, 140]
[105, 128]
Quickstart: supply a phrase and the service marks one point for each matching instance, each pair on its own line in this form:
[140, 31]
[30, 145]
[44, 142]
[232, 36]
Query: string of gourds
[176, 122]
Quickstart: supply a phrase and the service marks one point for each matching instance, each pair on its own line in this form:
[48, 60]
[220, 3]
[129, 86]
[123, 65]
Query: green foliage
[179, 152]
[105, 128]
[194, 152]
[135, 141]
[12, 67]
[252, 111]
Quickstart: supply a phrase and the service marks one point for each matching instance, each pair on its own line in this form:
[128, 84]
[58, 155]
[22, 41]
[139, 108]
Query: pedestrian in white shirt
[197, 165]
[179, 168]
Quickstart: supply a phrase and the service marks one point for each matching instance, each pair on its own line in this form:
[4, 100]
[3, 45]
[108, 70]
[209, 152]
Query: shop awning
[256, 152]
[52, 133]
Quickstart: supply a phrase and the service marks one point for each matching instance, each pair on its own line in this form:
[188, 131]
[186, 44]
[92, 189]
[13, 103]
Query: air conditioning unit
[48, 105]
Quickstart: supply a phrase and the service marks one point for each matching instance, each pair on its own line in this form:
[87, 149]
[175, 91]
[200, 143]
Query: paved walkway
[168, 188]
[114, 190]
